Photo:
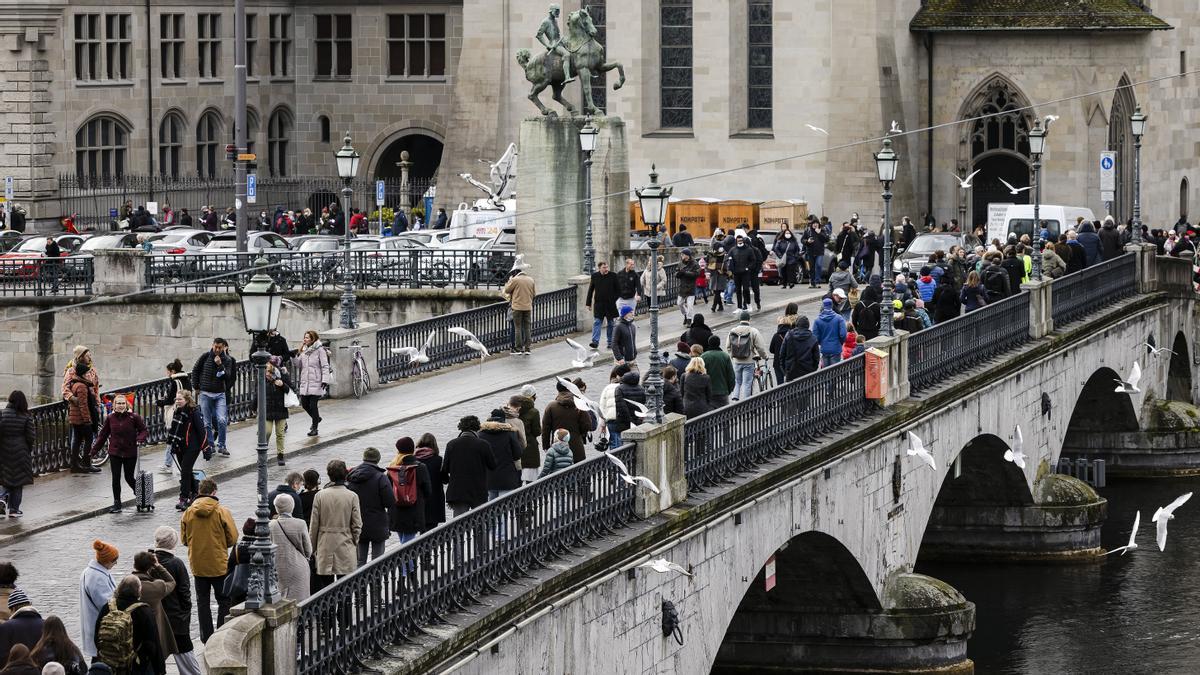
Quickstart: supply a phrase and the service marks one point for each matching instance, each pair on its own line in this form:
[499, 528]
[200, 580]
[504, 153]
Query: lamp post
[886, 163]
[347, 166]
[261, 302]
[587, 143]
[653, 200]
[1037, 145]
[1138, 121]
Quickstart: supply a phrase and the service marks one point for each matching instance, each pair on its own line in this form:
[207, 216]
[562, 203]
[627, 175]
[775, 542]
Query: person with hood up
[800, 352]
[926, 284]
[561, 413]
[946, 304]
[558, 455]
[408, 520]
[530, 422]
[630, 389]
[698, 333]
[1090, 241]
[783, 326]
[842, 278]
[746, 346]
[18, 435]
[830, 331]
[1053, 266]
[507, 449]
[682, 356]
[865, 314]
[370, 483]
[435, 505]
[207, 530]
[719, 368]
[687, 273]
[624, 342]
[336, 524]
[697, 389]
[850, 346]
[466, 466]
[1110, 240]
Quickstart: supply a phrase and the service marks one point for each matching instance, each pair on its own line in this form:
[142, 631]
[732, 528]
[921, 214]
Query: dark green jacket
[720, 371]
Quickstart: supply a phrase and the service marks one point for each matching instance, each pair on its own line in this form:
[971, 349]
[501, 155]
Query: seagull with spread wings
[472, 343]
[417, 355]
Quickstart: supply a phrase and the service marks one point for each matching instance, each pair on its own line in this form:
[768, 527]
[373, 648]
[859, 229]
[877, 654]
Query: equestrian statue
[579, 53]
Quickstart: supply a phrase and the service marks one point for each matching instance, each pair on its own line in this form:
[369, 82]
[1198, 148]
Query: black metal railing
[293, 270]
[449, 567]
[71, 275]
[1083, 292]
[97, 199]
[735, 438]
[953, 346]
[554, 314]
[52, 447]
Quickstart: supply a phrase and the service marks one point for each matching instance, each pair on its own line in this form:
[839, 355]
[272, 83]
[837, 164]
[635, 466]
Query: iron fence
[98, 200]
[52, 447]
[1087, 290]
[953, 346]
[294, 270]
[449, 567]
[735, 438]
[70, 275]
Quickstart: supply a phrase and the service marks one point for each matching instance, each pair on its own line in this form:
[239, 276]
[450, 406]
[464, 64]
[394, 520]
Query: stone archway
[998, 143]
[1179, 371]
[1101, 409]
[424, 151]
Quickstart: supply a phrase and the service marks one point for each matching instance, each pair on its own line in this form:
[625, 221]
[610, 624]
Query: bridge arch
[1100, 408]
[1179, 371]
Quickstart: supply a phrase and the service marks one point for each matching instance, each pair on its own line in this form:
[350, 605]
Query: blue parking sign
[251, 188]
[379, 193]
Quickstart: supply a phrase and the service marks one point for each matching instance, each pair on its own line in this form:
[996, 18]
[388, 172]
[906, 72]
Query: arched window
[996, 145]
[279, 136]
[208, 138]
[170, 145]
[1183, 198]
[1120, 141]
[101, 145]
[252, 127]
[324, 128]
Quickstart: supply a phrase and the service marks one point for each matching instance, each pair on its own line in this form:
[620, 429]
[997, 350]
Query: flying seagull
[623, 472]
[292, 304]
[1016, 455]
[472, 343]
[1165, 513]
[1155, 351]
[1049, 119]
[640, 410]
[965, 183]
[417, 355]
[582, 402]
[662, 566]
[895, 128]
[1132, 545]
[917, 449]
[819, 130]
[1012, 190]
[1130, 386]
[584, 357]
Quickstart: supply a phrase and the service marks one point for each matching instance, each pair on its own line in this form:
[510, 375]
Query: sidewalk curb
[233, 472]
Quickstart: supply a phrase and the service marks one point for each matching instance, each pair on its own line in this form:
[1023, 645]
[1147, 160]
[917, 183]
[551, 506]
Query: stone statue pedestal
[549, 235]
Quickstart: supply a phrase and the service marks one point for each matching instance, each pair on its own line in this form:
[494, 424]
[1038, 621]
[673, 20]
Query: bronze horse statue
[587, 59]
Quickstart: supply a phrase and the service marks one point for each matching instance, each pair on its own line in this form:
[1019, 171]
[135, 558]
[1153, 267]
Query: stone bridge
[798, 513]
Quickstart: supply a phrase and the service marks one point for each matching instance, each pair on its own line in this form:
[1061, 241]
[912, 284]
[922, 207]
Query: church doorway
[996, 142]
[988, 189]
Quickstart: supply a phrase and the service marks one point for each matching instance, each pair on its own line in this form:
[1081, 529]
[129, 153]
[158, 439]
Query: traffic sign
[8, 188]
[1108, 171]
[379, 193]
[251, 188]
[247, 157]
[112, 213]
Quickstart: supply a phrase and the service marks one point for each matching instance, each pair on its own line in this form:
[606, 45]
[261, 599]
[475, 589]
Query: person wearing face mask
[787, 256]
[742, 261]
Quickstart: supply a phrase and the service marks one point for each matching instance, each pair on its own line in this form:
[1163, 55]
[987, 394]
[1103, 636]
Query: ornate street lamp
[261, 302]
[1037, 145]
[347, 166]
[886, 164]
[653, 199]
[1138, 121]
[587, 142]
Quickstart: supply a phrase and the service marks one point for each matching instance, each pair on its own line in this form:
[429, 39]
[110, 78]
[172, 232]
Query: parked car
[318, 261]
[431, 238]
[107, 241]
[226, 242]
[178, 241]
[10, 239]
[917, 254]
[22, 261]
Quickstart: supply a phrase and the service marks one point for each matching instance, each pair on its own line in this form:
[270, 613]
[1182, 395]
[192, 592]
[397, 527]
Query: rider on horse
[550, 37]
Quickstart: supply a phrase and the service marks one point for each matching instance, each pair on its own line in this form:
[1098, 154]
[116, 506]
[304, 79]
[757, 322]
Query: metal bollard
[1098, 473]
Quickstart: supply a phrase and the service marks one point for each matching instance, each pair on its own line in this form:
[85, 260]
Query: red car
[21, 262]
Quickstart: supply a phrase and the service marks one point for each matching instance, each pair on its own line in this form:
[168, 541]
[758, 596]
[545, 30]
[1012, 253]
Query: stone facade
[831, 68]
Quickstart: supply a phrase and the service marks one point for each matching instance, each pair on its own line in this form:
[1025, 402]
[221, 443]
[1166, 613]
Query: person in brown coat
[79, 416]
[208, 530]
[157, 583]
[335, 524]
[520, 291]
[531, 460]
[562, 413]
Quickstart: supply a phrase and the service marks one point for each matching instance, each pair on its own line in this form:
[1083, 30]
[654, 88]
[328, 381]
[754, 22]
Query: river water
[1127, 614]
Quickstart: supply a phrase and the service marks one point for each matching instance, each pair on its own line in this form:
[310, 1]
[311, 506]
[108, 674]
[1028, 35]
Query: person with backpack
[293, 548]
[800, 352]
[96, 586]
[413, 488]
[375, 499]
[157, 584]
[995, 279]
[558, 456]
[126, 634]
[213, 375]
[746, 346]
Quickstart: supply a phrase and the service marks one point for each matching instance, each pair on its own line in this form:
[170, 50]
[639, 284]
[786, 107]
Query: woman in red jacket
[123, 430]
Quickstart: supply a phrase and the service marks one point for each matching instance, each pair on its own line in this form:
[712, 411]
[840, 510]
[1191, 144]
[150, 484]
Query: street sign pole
[251, 188]
[8, 198]
[379, 201]
[1108, 179]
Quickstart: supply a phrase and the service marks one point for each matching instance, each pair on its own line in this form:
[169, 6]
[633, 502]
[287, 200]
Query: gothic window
[170, 145]
[599, 13]
[759, 40]
[279, 136]
[1120, 141]
[101, 146]
[208, 138]
[675, 88]
[1006, 129]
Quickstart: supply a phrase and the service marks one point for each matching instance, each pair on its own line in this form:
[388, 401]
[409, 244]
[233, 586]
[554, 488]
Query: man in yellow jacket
[520, 292]
[208, 530]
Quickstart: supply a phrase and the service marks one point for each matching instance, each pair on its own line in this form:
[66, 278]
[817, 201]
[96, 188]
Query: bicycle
[764, 376]
[360, 377]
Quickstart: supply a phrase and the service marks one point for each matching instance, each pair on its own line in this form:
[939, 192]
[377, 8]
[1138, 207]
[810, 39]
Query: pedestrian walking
[562, 413]
[746, 346]
[743, 259]
[123, 430]
[698, 333]
[800, 352]
[428, 455]
[815, 240]
[181, 382]
[312, 484]
[413, 487]
[787, 257]
[629, 286]
[279, 385]
[208, 531]
[291, 487]
[697, 389]
[520, 292]
[157, 584]
[602, 300]
[51, 268]
[187, 440]
[336, 524]
[213, 375]
[718, 278]
[178, 603]
[558, 455]
[24, 625]
[96, 586]
[647, 283]
[624, 344]
[369, 482]
[315, 376]
[465, 467]
[82, 409]
[123, 614]
[687, 273]
[530, 421]
[719, 368]
[293, 548]
[17, 436]
[55, 646]
[830, 331]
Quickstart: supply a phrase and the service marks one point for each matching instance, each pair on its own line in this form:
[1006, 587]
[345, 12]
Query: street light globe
[347, 160]
[261, 300]
[653, 199]
[588, 135]
[1138, 121]
[886, 162]
[1037, 139]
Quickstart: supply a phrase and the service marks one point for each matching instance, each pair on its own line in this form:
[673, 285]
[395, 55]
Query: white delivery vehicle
[483, 220]
[1018, 220]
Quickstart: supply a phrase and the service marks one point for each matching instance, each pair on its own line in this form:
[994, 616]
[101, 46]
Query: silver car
[179, 241]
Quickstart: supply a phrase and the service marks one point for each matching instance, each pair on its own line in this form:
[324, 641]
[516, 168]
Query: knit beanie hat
[405, 446]
[165, 538]
[248, 527]
[371, 455]
[16, 598]
[626, 310]
[529, 390]
[682, 347]
[106, 553]
[497, 416]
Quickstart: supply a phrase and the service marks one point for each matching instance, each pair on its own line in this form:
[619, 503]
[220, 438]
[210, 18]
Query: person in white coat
[96, 586]
[293, 548]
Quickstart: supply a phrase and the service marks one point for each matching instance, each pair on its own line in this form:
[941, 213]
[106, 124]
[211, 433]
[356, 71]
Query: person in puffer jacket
[830, 331]
[926, 284]
[558, 457]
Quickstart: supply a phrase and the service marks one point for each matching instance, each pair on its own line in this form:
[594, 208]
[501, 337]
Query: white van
[1019, 220]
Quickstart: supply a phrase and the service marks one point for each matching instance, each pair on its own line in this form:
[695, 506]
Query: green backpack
[114, 637]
